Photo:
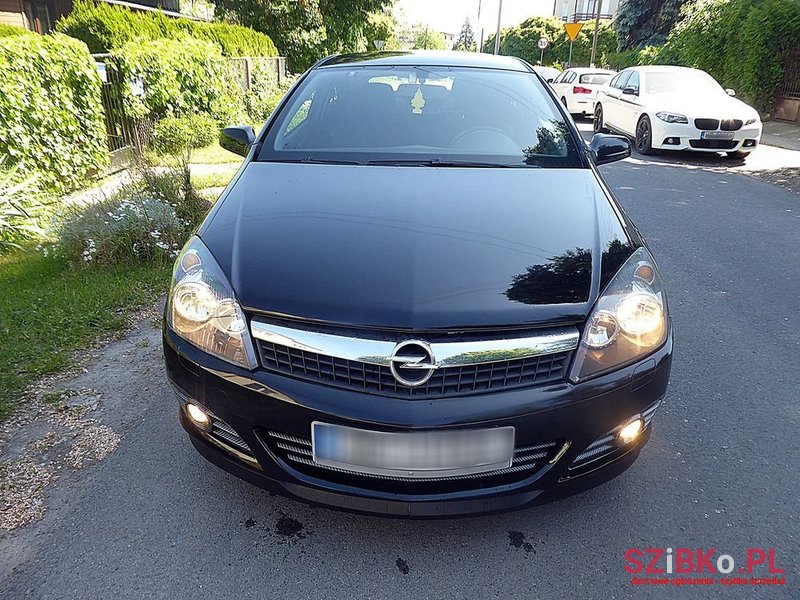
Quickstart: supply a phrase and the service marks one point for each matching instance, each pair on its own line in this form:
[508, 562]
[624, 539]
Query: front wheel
[597, 122]
[644, 136]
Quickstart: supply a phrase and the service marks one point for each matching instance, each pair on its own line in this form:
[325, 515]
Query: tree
[306, 30]
[642, 23]
[466, 39]
[425, 39]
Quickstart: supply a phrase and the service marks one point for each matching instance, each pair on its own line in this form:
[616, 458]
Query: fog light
[631, 431]
[197, 415]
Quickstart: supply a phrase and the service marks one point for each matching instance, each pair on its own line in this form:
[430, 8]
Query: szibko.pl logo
[701, 566]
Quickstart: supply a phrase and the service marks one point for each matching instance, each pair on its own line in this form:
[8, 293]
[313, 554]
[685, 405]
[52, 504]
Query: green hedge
[105, 27]
[179, 77]
[521, 41]
[741, 43]
[51, 118]
[7, 30]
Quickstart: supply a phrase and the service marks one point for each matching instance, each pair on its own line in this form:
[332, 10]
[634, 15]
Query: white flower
[162, 245]
[155, 234]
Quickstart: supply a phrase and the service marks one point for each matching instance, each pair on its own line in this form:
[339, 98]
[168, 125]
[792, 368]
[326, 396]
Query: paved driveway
[154, 520]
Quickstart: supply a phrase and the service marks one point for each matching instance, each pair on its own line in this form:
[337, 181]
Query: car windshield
[434, 116]
[596, 78]
[681, 82]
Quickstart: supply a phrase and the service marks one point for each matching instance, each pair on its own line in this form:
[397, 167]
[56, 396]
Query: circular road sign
[542, 43]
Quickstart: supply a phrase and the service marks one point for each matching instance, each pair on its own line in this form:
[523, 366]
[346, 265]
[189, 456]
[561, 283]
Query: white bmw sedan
[676, 108]
[577, 88]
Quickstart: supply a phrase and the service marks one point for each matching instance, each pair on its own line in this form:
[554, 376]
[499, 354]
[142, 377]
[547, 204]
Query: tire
[597, 123]
[644, 136]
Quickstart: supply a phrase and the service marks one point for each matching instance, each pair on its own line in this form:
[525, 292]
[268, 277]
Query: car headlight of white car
[751, 120]
[669, 117]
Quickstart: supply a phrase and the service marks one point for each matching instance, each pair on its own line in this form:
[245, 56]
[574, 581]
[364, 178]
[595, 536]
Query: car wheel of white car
[597, 123]
[644, 136]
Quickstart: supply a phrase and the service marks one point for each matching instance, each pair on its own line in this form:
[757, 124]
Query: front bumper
[574, 418]
[678, 136]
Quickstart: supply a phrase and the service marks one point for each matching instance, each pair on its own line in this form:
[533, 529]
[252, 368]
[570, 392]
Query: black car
[418, 296]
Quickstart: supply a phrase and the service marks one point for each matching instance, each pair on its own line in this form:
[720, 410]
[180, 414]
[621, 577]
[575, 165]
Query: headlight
[751, 120]
[628, 322]
[202, 308]
[672, 117]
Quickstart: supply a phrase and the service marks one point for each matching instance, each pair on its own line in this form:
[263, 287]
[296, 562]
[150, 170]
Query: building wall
[11, 13]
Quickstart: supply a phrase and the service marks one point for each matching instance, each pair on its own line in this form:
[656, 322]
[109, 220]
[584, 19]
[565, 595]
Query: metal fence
[243, 69]
[787, 96]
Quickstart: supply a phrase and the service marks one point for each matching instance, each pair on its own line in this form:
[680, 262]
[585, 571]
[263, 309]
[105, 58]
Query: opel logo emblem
[412, 363]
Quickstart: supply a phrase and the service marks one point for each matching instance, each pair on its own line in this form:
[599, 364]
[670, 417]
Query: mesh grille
[296, 452]
[444, 382]
[731, 125]
[714, 144]
[706, 124]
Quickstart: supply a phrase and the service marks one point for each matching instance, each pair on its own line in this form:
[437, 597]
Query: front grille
[605, 449]
[707, 124]
[731, 124]
[446, 381]
[295, 451]
[714, 144]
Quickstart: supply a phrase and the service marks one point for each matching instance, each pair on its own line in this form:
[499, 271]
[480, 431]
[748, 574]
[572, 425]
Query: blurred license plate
[716, 135]
[421, 454]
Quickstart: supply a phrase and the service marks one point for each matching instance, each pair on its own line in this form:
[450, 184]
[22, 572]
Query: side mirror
[630, 91]
[606, 148]
[238, 139]
[730, 92]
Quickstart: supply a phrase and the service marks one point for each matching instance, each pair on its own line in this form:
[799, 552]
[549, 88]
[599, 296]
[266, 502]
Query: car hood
[715, 106]
[417, 247]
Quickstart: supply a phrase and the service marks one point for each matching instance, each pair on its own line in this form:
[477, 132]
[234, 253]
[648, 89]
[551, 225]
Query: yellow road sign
[572, 29]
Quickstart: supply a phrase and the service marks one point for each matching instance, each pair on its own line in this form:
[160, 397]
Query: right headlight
[628, 322]
[203, 310]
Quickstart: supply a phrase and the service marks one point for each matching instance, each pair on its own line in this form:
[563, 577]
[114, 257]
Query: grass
[48, 311]
[212, 180]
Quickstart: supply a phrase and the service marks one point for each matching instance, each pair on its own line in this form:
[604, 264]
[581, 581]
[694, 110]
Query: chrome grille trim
[526, 458]
[446, 354]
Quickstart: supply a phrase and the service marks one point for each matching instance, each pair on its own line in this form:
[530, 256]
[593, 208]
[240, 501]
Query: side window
[613, 82]
[300, 115]
[623, 80]
[571, 77]
[562, 77]
[634, 81]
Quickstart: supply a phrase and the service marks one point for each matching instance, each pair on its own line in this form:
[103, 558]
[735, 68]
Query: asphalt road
[154, 520]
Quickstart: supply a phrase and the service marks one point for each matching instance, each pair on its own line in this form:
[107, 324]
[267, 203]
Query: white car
[577, 88]
[676, 108]
[547, 73]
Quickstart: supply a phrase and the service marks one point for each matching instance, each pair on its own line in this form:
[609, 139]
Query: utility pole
[479, 48]
[596, 31]
[497, 35]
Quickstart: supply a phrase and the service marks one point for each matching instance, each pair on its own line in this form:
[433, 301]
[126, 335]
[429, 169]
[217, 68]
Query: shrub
[18, 208]
[179, 76]
[179, 135]
[51, 117]
[8, 30]
[148, 221]
[106, 27]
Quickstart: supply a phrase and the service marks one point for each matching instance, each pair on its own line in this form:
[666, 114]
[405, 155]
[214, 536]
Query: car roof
[431, 58]
[580, 70]
[661, 69]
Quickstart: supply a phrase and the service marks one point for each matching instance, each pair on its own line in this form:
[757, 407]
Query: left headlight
[628, 322]
[669, 117]
[202, 308]
[751, 120]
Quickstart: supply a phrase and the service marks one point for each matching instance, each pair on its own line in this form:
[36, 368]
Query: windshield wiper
[437, 162]
[315, 161]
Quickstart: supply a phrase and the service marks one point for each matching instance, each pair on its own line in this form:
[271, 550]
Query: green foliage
[105, 27]
[179, 135]
[306, 30]
[179, 77]
[427, 39]
[148, 221]
[19, 204]
[645, 22]
[381, 26]
[743, 44]
[466, 38]
[9, 30]
[264, 92]
[51, 118]
[521, 41]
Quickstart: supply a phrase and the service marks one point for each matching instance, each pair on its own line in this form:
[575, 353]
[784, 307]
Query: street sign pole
[541, 57]
[497, 34]
[569, 60]
[596, 30]
[572, 29]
